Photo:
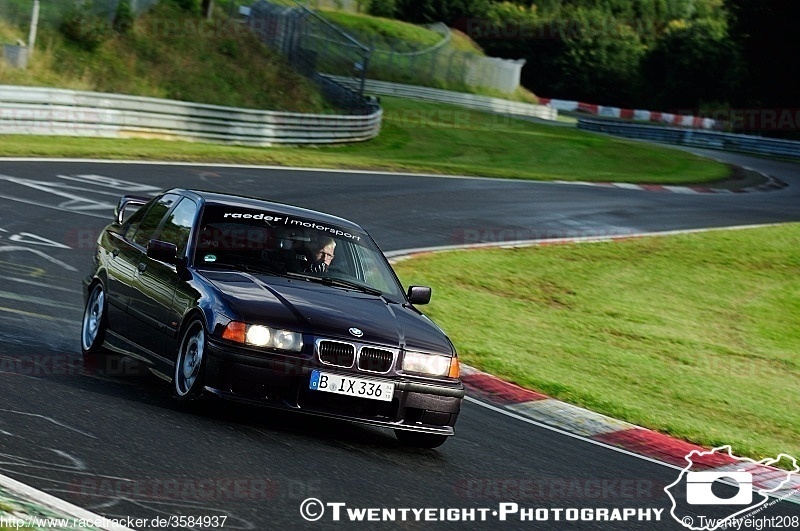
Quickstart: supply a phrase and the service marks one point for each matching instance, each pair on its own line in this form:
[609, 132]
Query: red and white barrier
[680, 120]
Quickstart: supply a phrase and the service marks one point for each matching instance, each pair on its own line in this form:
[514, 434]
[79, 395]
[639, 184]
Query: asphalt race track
[112, 440]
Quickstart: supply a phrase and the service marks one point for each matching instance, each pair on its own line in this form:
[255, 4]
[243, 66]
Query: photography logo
[729, 491]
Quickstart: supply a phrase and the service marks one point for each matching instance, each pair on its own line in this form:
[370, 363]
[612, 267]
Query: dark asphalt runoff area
[110, 439]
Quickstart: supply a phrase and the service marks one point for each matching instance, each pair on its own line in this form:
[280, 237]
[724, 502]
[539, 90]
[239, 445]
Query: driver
[321, 254]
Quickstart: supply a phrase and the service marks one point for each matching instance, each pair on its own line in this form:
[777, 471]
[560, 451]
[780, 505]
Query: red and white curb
[616, 433]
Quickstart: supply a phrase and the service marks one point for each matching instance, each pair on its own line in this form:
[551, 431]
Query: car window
[178, 225]
[248, 239]
[132, 223]
[152, 219]
[374, 272]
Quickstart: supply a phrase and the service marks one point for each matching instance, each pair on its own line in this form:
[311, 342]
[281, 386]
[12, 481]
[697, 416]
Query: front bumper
[283, 381]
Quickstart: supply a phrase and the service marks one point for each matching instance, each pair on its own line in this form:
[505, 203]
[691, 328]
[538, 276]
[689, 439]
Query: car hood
[326, 311]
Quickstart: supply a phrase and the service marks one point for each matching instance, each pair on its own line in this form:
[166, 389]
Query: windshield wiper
[338, 282]
[352, 284]
[252, 268]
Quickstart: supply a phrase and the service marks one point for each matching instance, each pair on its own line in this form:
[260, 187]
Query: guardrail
[695, 138]
[46, 111]
[472, 101]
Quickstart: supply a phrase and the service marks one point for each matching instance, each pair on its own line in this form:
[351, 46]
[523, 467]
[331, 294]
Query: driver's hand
[318, 267]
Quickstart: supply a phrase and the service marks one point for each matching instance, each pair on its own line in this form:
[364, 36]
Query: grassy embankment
[167, 54]
[694, 335]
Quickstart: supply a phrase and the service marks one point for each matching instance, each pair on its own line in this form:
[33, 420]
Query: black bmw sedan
[270, 304]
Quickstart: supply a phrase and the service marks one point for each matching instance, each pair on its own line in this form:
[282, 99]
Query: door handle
[142, 267]
[114, 252]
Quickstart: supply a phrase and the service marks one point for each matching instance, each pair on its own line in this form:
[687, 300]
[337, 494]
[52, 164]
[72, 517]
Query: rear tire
[93, 326]
[420, 440]
[190, 364]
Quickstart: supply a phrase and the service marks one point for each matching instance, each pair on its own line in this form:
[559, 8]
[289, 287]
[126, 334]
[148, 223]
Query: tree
[578, 53]
[602, 57]
[693, 64]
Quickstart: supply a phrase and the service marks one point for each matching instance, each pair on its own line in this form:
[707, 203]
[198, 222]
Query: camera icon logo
[699, 488]
[740, 483]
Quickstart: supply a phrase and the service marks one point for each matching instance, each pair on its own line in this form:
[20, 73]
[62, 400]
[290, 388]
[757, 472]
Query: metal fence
[313, 45]
[444, 66]
[695, 138]
[45, 111]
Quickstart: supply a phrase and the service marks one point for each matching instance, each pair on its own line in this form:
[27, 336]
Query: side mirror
[419, 294]
[163, 251]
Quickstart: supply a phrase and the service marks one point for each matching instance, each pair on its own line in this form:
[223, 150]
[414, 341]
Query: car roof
[232, 200]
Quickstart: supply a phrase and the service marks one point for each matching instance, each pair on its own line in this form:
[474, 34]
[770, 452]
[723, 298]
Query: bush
[84, 28]
[192, 6]
[123, 18]
[382, 8]
[447, 11]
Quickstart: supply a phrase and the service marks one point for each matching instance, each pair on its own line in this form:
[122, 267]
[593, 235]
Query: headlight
[263, 336]
[285, 340]
[431, 364]
[258, 335]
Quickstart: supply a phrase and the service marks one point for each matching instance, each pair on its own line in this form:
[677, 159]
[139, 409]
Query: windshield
[266, 242]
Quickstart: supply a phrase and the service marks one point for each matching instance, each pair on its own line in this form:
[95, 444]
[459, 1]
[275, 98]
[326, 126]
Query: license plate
[349, 386]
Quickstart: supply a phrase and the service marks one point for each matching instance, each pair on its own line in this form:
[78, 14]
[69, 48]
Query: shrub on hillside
[192, 6]
[123, 18]
[84, 28]
[382, 8]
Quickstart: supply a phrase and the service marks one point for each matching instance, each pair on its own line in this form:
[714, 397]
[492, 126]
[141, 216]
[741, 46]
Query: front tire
[189, 366]
[419, 440]
[93, 326]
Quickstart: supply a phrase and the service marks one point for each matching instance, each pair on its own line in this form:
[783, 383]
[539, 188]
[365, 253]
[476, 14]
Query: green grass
[695, 335]
[170, 54]
[462, 42]
[10, 34]
[432, 138]
[384, 33]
